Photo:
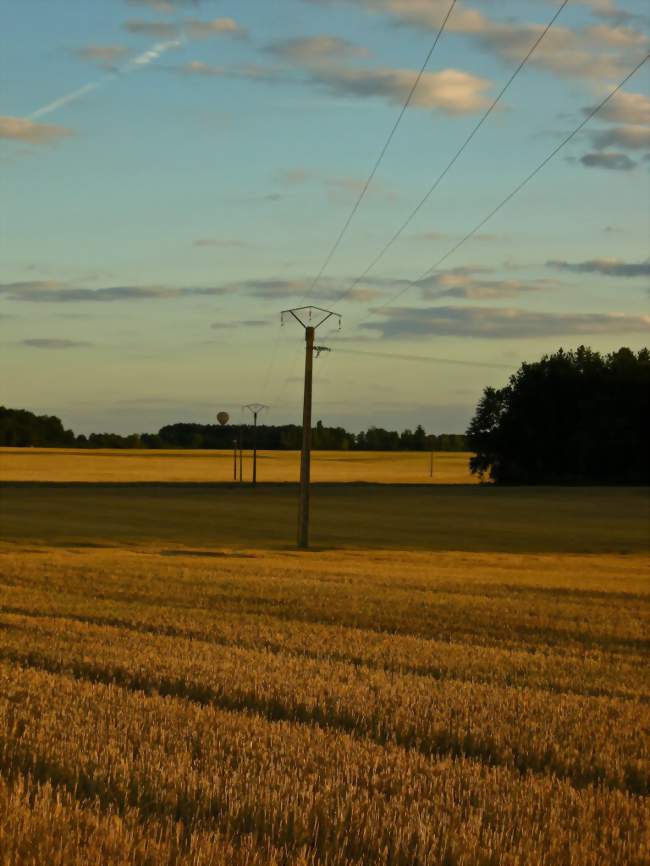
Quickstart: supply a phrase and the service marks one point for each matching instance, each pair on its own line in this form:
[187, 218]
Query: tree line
[20, 428]
[576, 417]
[571, 418]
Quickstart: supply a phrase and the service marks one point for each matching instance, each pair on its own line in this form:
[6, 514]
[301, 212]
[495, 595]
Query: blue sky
[174, 174]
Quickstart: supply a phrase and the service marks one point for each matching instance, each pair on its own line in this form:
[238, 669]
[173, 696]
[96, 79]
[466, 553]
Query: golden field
[43, 464]
[455, 676]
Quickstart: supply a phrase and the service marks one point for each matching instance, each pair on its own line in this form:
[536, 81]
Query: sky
[175, 173]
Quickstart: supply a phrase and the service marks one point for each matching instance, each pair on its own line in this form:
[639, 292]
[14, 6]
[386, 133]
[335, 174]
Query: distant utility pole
[255, 409]
[234, 458]
[311, 318]
[241, 457]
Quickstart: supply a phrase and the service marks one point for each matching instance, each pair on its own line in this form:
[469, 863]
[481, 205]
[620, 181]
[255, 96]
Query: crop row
[421, 604]
[578, 672]
[46, 824]
[586, 740]
[292, 787]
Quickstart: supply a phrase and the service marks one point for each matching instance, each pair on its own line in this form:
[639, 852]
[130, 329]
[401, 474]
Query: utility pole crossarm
[305, 316]
[310, 318]
[255, 408]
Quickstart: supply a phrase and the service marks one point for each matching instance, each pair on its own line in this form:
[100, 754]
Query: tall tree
[572, 417]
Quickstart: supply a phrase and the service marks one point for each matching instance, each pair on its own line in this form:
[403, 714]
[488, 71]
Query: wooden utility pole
[305, 454]
[305, 316]
[255, 409]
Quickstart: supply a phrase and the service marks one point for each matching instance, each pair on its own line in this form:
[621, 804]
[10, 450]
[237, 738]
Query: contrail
[70, 97]
[152, 54]
[144, 59]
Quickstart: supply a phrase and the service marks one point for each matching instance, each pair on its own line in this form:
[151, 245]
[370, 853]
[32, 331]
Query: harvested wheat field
[172, 692]
[87, 465]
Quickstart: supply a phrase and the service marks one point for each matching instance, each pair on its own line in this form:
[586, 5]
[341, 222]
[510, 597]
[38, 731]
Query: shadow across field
[204, 516]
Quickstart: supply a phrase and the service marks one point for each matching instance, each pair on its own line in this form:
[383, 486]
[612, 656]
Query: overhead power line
[364, 189]
[454, 159]
[510, 195]
[426, 359]
[436, 183]
[382, 153]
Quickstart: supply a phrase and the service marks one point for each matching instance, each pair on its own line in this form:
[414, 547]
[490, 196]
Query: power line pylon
[255, 409]
[311, 318]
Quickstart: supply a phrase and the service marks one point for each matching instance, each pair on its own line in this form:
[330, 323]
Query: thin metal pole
[255, 409]
[241, 457]
[234, 458]
[305, 456]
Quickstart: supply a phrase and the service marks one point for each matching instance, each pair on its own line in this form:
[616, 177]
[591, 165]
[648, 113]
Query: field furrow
[436, 717]
[299, 787]
[578, 672]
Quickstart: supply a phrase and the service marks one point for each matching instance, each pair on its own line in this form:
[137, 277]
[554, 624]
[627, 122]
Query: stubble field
[209, 467]
[455, 676]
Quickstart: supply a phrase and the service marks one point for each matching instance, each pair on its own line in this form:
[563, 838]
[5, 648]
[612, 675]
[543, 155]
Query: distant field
[36, 464]
[455, 675]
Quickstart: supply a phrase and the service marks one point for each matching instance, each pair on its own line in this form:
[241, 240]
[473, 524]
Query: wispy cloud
[310, 49]
[625, 107]
[601, 53]
[222, 243]
[451, 91]
[155, 29]
[50, 343]
[610, 161]
[242, 323]
[501, 323]
[272, 288]
[263, 198]
[246, 72]
[605, 267]
[324, 62]
[609, 10]
[338, 189]
[617, 36]
[105, 56]
[196, 29]
[165, 6]
[360, 294]
[626, 137]
[51, 292]
[432, 237]
[190, 28]
[25, 130]
[293, 176]
[470, 285]
[631, 114]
